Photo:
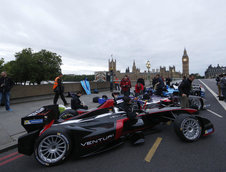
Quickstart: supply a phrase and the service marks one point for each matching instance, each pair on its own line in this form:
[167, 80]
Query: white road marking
[214, 113]
[222, 103]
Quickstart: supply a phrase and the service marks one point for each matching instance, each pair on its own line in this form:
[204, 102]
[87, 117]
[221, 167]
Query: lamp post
[148, 65]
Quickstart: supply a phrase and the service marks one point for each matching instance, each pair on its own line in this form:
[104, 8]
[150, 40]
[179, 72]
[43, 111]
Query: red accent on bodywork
[119, 127]
[109, 103]
[190, 110]
[166, 100]
[46, 127]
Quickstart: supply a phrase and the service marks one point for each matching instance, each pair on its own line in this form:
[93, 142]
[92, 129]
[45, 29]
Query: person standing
[223, 86]
[58, 88]
[184, 90]
[154, 82]
[117, 83]
[6, 84]
[168, 80]
[218, 79]
[125, 86]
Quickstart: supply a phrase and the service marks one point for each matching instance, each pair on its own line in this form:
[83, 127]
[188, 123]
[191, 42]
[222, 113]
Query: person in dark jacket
[154, 81]
[184, 90]
[159, 85]
[6, 84]
[76, 102]
[223, 86]
[218, 79]
[58, 88]
[125, 86]
[168, 80]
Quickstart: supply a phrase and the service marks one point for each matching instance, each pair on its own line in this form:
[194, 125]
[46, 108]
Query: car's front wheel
[187, 127]
[52, 148]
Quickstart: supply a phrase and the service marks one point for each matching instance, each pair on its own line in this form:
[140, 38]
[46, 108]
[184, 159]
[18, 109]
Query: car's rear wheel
[187, 127]
[196, 103]
[52, 148]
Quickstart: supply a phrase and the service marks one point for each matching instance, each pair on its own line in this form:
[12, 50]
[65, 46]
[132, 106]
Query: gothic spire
[185, 52]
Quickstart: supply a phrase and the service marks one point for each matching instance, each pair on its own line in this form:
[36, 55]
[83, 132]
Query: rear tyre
[68, 114]
[196, 103]
[52, 148]
[187, 127]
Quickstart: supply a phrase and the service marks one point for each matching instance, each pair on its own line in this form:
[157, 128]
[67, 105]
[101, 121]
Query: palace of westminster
[135, 73]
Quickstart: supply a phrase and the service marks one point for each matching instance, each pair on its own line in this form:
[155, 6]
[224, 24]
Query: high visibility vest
[116, 81]
[55, 83]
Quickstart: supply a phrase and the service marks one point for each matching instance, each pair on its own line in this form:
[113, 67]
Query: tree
[23, 65]
[1, 64]
[34, 67]
[46, 66]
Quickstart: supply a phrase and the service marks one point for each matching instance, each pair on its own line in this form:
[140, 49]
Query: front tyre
[187, 127]
[52, 148]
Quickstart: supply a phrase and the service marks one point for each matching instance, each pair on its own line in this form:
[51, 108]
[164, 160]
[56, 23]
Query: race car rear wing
[36, 120]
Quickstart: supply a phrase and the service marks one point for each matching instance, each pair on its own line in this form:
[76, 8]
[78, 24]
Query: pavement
[10, 122]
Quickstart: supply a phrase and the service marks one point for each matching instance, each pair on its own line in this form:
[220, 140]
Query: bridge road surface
[172, 154]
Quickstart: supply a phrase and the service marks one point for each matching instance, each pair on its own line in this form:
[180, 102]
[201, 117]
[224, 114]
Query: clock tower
[185, 63]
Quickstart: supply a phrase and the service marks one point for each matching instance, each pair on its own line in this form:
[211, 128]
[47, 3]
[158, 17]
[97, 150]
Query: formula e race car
[52, 139]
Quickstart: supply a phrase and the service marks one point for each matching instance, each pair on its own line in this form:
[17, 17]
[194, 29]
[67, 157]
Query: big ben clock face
[184, 60]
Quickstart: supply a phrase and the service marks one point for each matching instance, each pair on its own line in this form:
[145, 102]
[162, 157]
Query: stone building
[136, 73]
[133, 75]
[212, 72]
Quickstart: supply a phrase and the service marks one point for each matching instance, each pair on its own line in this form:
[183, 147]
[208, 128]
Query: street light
[148, 65]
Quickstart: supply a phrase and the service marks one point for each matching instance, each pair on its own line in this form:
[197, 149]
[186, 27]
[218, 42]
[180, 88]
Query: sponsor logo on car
[98, 140]
[33, 121]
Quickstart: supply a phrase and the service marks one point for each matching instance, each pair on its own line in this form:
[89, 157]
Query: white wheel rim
[191, 128]
[52, 148]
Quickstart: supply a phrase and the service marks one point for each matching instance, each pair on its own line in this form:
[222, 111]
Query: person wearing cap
[58, 88]
[125, 86]
[76, 102]
[6, 85]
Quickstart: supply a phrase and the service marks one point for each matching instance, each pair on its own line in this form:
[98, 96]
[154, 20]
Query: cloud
[86, 33]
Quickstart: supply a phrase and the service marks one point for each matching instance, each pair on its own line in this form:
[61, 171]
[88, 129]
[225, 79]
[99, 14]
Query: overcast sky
[86, 32]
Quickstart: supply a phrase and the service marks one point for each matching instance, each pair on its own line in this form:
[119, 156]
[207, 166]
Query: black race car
[52, 139]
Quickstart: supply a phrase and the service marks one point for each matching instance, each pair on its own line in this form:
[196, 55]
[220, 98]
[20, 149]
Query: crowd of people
[159, 84]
